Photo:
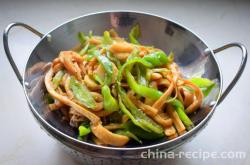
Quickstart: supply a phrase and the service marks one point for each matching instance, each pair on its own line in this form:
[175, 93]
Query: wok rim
[185, 136]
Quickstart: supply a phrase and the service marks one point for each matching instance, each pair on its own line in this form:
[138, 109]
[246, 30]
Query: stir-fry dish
[114, 90]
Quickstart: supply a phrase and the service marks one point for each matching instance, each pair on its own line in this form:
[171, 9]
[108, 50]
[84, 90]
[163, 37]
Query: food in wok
[113, 90]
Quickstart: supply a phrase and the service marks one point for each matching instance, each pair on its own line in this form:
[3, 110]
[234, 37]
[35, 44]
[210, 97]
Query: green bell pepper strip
[115, 60]
[141, 89]
[204, 84]
[179, 108]
[110, 104]
[98, 79]
[128, 134]
[127, 112]
[130, 63]
[152, 60]
[84, 49]
[89, 57]
[141, 75]
[58, 78]
[81, 93]
[158, 58]
[106, 64]
[107, 40]
[134, 34]
[82, 38]
[83, 131]
[141, 133]
[136, 115]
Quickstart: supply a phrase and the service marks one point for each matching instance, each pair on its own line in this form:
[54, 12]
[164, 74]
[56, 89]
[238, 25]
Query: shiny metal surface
[191, 53]
[240, 70]
[6, 45]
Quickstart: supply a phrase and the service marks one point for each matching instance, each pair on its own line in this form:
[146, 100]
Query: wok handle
[240, 70]
[6, 45]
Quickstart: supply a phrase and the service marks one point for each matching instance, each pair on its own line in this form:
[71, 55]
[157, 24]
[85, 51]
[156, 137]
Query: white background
[218, 23]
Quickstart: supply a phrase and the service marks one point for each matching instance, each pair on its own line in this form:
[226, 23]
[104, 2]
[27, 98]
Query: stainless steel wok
[191, 53]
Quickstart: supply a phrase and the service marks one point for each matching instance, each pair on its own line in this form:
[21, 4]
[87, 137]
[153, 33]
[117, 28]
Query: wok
[191, 53]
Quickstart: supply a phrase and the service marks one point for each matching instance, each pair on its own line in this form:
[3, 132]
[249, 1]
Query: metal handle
[6, 45]
[240, 70]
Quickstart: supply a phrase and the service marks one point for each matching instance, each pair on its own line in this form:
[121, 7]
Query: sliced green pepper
[141, 89]
[149, 61]
[58, 78]
[98, 79]
[106, 64]
[130, 63]
[83, 131]
[141, 74]
[130, 126]
[84, 49]
[179, 108]
[89, 57]
[82, 38]
[106, 38]
[157, 59]
[81, 93]
[204, 84]
[109, 102]
[134, 34]
[136, 115]
[113, 59]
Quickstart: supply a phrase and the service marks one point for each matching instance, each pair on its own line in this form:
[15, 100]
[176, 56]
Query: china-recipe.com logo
[200, 154]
